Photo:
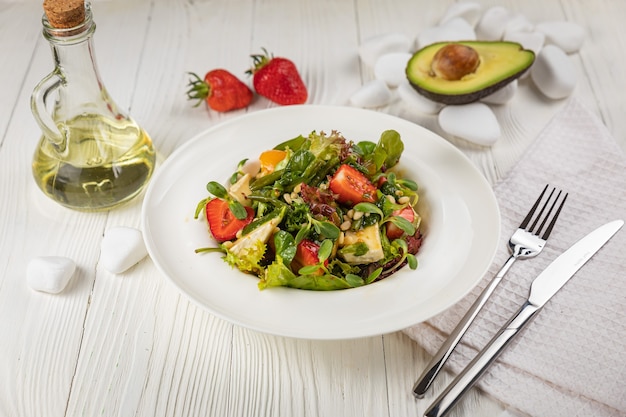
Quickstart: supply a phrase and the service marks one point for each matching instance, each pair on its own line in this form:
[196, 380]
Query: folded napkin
[571, 360]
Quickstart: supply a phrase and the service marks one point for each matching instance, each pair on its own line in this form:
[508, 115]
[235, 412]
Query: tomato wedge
[222, 222]
[351, 186]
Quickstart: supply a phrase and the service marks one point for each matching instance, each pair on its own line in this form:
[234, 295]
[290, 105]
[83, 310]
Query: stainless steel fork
[527, 242]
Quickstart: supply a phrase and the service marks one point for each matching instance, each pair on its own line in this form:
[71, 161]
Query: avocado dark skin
[464, 72]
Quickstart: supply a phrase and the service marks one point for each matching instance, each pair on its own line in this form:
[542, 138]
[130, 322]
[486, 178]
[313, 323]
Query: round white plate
[461, 226]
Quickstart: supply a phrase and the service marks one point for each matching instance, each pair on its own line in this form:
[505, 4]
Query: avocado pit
[455, 61]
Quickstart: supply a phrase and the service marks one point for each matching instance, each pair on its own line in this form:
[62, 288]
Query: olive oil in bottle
[91, 156]
[103, 164]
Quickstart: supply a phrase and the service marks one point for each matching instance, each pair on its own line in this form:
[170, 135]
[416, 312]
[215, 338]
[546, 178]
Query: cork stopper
[64, 14]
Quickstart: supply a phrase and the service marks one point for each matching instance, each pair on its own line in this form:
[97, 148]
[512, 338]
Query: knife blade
[543, 287]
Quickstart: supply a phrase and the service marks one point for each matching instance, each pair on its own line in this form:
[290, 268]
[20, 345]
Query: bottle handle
[40, 94]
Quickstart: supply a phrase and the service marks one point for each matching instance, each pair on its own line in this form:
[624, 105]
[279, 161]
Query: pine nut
[404, 199]
[345, 225]
[357, 215]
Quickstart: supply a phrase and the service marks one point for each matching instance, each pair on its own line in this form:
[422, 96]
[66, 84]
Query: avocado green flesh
[500, 63]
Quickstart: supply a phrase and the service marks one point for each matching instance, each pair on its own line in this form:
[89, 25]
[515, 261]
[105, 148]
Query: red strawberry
[221, 90]
[393, 231]
[352, 186]
[277, 79]
[306, 254]
[222, 222]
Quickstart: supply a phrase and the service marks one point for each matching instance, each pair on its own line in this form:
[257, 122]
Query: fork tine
[541, 213]
[532, 210]
[556, 215]
[540, 217]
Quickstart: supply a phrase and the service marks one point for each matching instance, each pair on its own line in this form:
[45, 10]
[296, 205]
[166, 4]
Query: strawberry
[277, 79]
[393, 231]
[221, 90]
[352, 186]
[306, 254]
[222, 222]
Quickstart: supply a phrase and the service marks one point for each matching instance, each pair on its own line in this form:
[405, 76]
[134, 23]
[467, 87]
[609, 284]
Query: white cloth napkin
[571, 360]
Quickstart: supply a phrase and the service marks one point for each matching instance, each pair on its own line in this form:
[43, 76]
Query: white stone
[517, 22]
[503, 95]
[568, 36]
[492, 24]
[554, 73]
[533, 41]
[416, 101]
[391, 68]
[121, 248]
[456, 29]
[474, 122]
[374, 93]
[49, 273]
[467, 10]
[374, 47]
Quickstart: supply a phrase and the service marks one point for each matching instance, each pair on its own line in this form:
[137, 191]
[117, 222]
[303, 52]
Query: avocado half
[495, 65]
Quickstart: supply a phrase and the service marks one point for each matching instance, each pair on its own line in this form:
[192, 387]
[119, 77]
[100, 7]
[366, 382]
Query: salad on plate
[317, 212]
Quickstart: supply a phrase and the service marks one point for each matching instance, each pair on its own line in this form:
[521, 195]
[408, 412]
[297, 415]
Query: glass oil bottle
[91, 156]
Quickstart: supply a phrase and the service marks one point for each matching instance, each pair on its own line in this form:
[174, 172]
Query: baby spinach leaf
[285, 246]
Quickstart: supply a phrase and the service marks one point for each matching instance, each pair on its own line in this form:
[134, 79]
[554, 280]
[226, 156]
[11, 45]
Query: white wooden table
[131, 344]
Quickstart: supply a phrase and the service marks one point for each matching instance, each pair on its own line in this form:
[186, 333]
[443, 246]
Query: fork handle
[468, 377]
[440, 358]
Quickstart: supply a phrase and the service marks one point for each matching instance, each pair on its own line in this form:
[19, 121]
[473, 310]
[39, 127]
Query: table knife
[545, 285]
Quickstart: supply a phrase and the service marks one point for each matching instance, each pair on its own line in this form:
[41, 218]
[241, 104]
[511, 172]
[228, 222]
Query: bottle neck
[72, 50]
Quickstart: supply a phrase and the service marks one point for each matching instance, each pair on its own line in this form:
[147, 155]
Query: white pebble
[121, 248]
[468, 10]
[374, 93]
[553, 73]
[517, 22]
[533, 41]
[374, 47]
[50, 273]
[503, 95]
[391, 68]
[416, 101]
[568, 36]
[456, 29]
[493, 23]
[474, 122]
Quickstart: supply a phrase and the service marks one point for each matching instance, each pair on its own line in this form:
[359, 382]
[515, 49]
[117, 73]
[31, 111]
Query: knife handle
[468, 377]
[439, 359]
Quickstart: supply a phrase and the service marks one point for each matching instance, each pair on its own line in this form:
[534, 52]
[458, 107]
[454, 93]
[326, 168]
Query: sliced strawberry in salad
[307, 254]
[351, 186]
[222, 222]
[393, 231]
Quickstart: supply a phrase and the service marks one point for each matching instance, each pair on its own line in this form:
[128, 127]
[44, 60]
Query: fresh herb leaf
[237, 209]
[403, 224]
[372, 277]
[354, 280]
[217, 189]
[325, 250]
[369, 208]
